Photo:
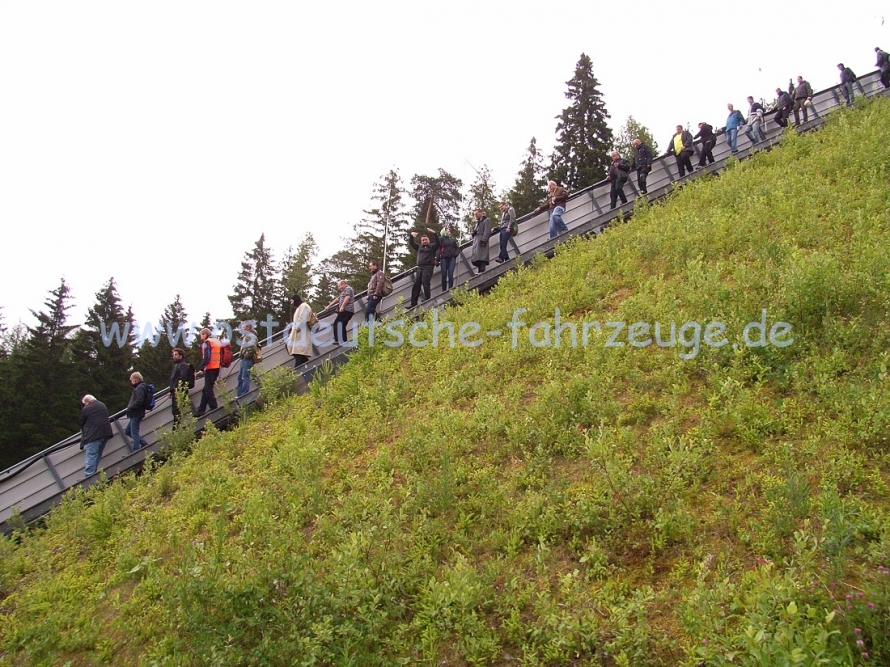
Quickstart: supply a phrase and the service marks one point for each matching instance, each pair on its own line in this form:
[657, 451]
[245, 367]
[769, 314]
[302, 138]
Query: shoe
[498, 260]
[643, 192]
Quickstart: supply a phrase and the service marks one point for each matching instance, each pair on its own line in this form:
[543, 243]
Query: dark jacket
[448, 247]
[180, 374]
[426, 254]
[847, 75]
[686, 138]
[883, 63]
[642, 158]
[783, 101]
[136, 406]
[94, 422]
[803, 91]
[706, 132]
[619, 171]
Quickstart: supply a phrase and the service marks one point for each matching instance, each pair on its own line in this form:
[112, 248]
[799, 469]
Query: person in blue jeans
[249, 347]
[733, 122]
[136, 410]
[95, 426]
[556, 202]
[447, 259]
[507, 229]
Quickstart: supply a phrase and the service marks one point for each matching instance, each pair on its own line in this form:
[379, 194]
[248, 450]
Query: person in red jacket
[210, 365]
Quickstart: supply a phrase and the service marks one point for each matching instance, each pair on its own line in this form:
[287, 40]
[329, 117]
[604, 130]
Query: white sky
[171, 134]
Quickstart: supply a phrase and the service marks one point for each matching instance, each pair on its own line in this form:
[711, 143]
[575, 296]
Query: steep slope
[604, 503]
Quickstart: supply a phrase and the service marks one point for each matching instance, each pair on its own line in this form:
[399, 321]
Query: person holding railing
[803, 98]
[95, 427]
[619, 171]
[447, 258]
[210, 368]
[847, 79]
[299, 345]
[883, 64]
[426, 250]
[733, 122]
[642, 163]
[708, 141]
[680, 146]
[556, 202]
[506, 230]
[136, 410]
[375, 290]
[783, 107]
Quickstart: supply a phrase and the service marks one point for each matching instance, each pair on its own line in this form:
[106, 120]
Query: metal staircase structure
[33, 486]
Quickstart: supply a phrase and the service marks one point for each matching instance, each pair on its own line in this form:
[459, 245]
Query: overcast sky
[155, 142]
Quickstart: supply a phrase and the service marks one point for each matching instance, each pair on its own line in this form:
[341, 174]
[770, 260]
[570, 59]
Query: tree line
[46, 368]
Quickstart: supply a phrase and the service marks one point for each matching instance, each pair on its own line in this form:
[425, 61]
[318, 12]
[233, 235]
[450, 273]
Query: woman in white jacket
[298, 343]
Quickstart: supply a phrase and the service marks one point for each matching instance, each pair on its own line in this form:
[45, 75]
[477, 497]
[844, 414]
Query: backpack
[514, 229]
[387, 286]
[149, 397]
[257, 353]
[190, 377]
[850, 76]
[225, 355]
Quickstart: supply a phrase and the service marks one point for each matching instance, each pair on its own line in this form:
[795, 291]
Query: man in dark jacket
[95, 432]
[680, 146]
[426, 262]
[448, 252]
[883, 64]
[803, 97]
[180, 379]
[847, 79]
[506, 230]
[783, 107]
[619, 171]
[136, 410]
[642, 163]
[708, 141]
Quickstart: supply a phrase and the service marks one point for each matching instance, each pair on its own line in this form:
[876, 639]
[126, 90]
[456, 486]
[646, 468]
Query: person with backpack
[182, 378]
[375, 290]
[95, 427]
[345, 305]
[733, 122]
[619, 172]
[803, 99]
[708, 141]
[427, 250]
[847, 79]
[211, 363]
[448, 252]
[883, 64]
[250, 355]
[507, 229]
[140, 401]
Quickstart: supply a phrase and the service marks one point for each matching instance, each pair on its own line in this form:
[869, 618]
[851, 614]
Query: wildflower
[849, 597]
[871, 605]
[865, 655]
[858, 631]
[860, 643]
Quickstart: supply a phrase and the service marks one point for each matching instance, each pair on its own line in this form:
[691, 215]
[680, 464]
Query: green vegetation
[539, 506]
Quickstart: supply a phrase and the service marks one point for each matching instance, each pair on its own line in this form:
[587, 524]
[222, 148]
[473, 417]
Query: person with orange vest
[210, 365]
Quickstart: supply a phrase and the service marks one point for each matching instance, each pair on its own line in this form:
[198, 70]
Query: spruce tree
[42, 377]
[103, 349]
[583, 142]
[297, 271]
[257, 290]
[530, 188]
[624, 141]
[385, 224]
[481, 195]
[326, 288]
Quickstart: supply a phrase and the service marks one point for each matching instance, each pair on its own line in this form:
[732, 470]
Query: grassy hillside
[589, 505]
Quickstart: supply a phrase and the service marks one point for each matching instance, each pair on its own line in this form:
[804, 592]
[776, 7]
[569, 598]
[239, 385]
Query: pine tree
[481, 195]
[437, 200]
[257, 290]
[156, 361]
[326, 288]
[45, 398]
[195, 348]
[530, 188]
[624, 142]
[581, 156]
[103, 349]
